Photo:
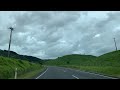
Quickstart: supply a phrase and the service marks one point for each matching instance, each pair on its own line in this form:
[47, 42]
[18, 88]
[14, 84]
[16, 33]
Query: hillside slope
[8, 65]
[74, 59]
[22, 57]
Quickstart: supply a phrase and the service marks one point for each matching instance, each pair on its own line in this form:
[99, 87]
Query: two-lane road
[53, 72]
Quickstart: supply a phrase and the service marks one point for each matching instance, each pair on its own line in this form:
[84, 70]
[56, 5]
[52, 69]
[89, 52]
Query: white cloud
[97, 35]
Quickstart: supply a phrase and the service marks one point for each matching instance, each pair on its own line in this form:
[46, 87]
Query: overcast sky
[51, 34]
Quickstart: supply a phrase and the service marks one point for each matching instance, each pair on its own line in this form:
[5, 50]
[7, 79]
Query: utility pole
[10, 40]
[115, 44]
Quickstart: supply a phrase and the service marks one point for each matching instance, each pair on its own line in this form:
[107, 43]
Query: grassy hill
[8, 65]
[74, 59]
[108, 64]
[22, 57]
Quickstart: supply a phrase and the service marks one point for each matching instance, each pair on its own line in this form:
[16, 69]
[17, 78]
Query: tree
[68, 62]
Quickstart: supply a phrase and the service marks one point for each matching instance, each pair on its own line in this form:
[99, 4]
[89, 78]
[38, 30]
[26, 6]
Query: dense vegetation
[8, 65]
[108, 63]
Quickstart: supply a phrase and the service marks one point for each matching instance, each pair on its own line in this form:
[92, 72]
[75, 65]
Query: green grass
[8, 65]
[72, 59]
[32, 74]
[108, 64]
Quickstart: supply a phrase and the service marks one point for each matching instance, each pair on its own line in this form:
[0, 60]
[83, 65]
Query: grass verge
[31, 74]
[8, 65]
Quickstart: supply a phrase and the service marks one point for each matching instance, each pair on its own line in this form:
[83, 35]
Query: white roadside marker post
[15, 73]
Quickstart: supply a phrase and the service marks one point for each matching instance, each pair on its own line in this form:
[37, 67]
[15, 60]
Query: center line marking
[75, 77]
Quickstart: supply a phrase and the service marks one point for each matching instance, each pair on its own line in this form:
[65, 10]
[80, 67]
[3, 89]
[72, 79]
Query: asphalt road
[53, 72]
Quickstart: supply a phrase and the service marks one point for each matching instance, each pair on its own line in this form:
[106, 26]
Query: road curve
[53, 72]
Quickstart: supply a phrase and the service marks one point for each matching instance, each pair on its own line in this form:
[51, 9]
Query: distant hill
[113, 54]
[111, 58]
[108, 59]
[74, 59]
[4, 53]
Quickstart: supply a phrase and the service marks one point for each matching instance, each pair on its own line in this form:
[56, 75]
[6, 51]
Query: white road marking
[61, 69]
[75, 77]
[100, 75]
[64, 71]
[42, 74]
[93, 73]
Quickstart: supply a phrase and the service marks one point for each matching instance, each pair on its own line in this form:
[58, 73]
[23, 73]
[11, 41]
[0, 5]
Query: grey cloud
[61, 49]
[50, 34]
